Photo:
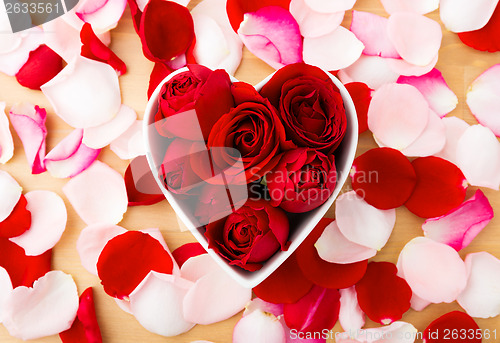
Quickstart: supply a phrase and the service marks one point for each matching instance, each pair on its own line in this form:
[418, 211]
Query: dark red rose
[310, 106]
[303, 180]
[249, 236]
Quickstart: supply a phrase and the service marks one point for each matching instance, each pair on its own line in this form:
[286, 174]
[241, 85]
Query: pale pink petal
[6, 142]
[403, 67]
[334, 247]
[130, 144]
[466, 15]
[264, 306]
[157, 304]
[214, 297]
[198, 266]
[455, 128]
[124, 305]
[48, 222]
[353, 215]
[98, 194]
[416, 303]
[100, 136]
[273, 35]
[419, 7]
[156, 234]
[92, 240]
[397, 332]
[371, 30]
[312, 23]
[351, 317]
[434, 271]
[85, 93]
[12, 61]
[483, 98]
[434, 88]
[46, 309]
[11, 192]
[329, 6]
[63, 38]
[70, 157]
[460, 226]
[102, 15]
[481, 296]
[5, 290]
[374, 71]
[324, 51]
[416, 38]
[260, 327]
[398, 114]
[478, 156]
[431, 141]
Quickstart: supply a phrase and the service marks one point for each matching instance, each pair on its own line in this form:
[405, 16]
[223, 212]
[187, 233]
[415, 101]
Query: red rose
[310, 106]
[250, 235]
[303, 180]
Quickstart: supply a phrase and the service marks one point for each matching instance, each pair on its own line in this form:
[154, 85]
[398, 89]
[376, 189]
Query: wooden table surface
[459, 64]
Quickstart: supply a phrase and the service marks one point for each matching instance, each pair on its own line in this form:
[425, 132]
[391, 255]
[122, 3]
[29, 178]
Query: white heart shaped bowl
[344, 157]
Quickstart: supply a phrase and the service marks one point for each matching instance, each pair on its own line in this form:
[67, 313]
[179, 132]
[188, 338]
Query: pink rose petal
[98, 194]
[198, 266]
[29, 122]
[419, 7]
[434, 88]
[157, 304]
[374, 71]
[273, 35]
[455, 128]
[260, 327]
[464, 15]
[334, 247]
[371, 30]
[324, 52]
[480, 297]
[431, 141]
[312, 23]
[460, 226]
[102, 15]
[416, 303]
[100, 136]
[47, 309]
[130, 144]
[6, 142]
[416, 38]
[328, 6]
[264, 306]
[403, 67]
[398, 114]
[70, 157]
[48, 222]
[478, 156]
[397, 332]
[351, 317]
[5, 290]
[12, 61]
[11, 193]
[483, 98]
[434, 271]
[62, 38]
[85, 93]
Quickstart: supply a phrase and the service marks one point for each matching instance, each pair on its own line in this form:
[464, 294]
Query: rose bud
[249, 236]
[310, 106]
[303, 180]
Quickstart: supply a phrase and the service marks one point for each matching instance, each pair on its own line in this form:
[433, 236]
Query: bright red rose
[310, 106]
[249, 236]
[303, 180]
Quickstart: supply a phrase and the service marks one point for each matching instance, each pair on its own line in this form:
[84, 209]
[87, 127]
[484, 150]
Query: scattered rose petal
[6, 142]
[48, 222]
[361, 95]
[198, 266]
[463, 15]
[76, 98]
[106, 189]
[440, 187]
[18, 221]
[478, 156]
[461, 225]
[327, 6]
[259, 304]
[455, 128]
[312, 23]
[455, 321]
[397, 332]
[156, 234]
[237, 8]
[5, 290]
[486, 38]
[323, 51]
[436, 91]
[53, 304]
[42, 65]
[142, 188]
[130, 144]
[402, 67]
[481, 298]
[186, 251]
[62, 38]
[12, 61]
[420, 7]
[372, 70]
[431, 141]
[434, 271]
[157, 304]
[102, 15]
[259, 326]
[351, 317]
[11, 193]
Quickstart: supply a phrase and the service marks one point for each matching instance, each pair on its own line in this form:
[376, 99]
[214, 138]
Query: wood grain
[459, 64]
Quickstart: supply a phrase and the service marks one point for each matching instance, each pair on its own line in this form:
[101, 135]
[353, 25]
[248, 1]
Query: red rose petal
[166, 30]
[142, 188]
[237, 8]
[440, 187]
[321, 272]
[186, 251]
[383, 295]
[42, 65]
[442, 329]
[85, 328]
[18, 221]
[94, 49]
[318, 310]
[487, 38]
[383, 177]
[127, 259]
[361, 95]
[286, 285]
[159, 72]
